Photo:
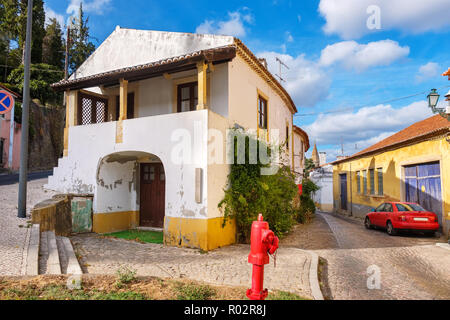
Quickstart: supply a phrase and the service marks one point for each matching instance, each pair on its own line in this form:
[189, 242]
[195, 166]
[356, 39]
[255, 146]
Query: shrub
[125, 275]
[306, 207]
[194, 292]
[250, 193]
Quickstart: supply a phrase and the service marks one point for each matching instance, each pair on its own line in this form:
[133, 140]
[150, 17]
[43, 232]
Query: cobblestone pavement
[411, 266]
[14, 231]
[315, 235]
[225, 266]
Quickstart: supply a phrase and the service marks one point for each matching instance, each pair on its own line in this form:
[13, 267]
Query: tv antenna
[280, 65]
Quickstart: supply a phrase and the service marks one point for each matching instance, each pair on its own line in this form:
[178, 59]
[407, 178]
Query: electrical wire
[367, 105]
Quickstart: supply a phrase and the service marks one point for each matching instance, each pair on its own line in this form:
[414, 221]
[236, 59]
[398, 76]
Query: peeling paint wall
[88, 170]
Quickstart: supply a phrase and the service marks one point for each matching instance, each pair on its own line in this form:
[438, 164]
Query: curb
[32, 263]
[314, 276]
[443, 245]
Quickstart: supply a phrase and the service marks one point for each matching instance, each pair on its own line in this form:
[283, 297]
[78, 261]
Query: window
[402, 208]
[187, 95]
[380, 182]
[91, 109]
[372, 181]
[365, 181]
[388, 208]
[262, 113]
[130, 106]
[380, 208]
[358, 181]
[287, 136]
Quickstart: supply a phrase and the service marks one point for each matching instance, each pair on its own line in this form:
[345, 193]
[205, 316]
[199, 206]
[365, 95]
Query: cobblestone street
[411, 266]
[14, 231]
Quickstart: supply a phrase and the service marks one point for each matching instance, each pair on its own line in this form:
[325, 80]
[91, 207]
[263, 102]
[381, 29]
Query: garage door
[423, 186]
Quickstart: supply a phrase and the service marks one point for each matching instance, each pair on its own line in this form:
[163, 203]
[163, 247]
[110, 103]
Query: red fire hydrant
[263, 243]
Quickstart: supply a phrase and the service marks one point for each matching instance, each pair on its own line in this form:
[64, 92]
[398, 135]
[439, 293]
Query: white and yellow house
[133, 107]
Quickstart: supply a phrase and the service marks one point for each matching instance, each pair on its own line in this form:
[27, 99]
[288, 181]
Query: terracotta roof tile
[419, 129]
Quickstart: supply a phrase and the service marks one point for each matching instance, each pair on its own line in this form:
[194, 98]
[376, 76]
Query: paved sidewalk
[225, 266]
[13, 231]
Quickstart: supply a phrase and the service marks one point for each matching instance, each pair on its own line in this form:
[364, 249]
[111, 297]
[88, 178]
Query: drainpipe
[351, 191]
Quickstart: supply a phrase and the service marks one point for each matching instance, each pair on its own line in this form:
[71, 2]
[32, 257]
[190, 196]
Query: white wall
[323, 177]
[155, 97]
[79, 173]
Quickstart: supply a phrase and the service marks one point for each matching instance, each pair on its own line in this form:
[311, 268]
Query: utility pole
[23, 173]
[66, 67]
[281, 64]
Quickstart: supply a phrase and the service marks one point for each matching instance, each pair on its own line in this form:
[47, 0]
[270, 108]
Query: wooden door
[343, 178]
[152, 199]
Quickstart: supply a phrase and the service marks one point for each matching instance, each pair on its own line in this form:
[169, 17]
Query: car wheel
[368, 224]
[390, 229]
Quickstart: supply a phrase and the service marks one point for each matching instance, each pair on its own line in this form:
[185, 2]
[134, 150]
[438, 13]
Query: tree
[8, 31]
[42, 76]
[53, 46]
[38, 29]
[309, 166]
[81, 48]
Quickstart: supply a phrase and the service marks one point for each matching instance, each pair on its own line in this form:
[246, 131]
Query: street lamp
[433, 99]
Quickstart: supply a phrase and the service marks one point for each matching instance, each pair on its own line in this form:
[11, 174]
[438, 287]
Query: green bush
[250, 193]
[306, 208]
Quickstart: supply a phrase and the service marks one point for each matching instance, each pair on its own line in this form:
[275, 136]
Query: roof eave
[158, 68]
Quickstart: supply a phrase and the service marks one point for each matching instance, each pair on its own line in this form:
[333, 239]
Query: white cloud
[93, 6]
[365, 127]
[234, 26]
[50, 14]
[429, 70]
[359, 57]
[305, 81]
[348, 18]
[289, 37]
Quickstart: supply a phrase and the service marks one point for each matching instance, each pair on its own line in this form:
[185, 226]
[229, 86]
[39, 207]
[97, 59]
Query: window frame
[191, 85]
[365, 182]
[372, 181]
[263, 116]
[380, 185]
[358, 182]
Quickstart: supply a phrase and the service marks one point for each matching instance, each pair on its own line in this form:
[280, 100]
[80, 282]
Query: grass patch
[194, 292]
[139, 236]
[60, 292]
[282, 295]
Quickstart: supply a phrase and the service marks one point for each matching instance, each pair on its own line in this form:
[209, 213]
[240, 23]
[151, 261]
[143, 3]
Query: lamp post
[433, 99]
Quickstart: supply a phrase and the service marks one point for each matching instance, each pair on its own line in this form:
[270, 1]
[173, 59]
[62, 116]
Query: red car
[395, 216]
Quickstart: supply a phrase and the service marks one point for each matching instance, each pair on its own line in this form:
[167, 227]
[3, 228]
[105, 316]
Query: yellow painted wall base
[325, 207]
[205, 234]
[115, 221]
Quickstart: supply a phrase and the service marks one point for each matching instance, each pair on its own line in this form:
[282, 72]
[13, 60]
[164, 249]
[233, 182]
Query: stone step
[32, 267]
[57, 255]
[53, 263]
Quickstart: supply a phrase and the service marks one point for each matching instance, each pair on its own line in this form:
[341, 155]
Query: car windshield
[410, 207]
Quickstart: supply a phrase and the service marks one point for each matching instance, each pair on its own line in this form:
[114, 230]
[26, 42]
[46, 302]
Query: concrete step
[49, 262]
[32, 267]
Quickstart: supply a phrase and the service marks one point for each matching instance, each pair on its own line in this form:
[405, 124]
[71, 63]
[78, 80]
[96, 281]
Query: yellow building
[411, 165]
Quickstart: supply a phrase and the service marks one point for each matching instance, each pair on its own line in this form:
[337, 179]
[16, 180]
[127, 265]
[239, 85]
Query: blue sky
[337, 63]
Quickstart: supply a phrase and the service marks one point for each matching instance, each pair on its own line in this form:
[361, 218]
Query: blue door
[423, 186]
[343, 178]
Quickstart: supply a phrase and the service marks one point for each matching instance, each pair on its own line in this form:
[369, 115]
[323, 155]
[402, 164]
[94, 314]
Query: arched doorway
[131, 192]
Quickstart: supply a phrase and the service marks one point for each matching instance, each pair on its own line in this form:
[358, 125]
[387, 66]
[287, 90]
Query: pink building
[5, 134]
